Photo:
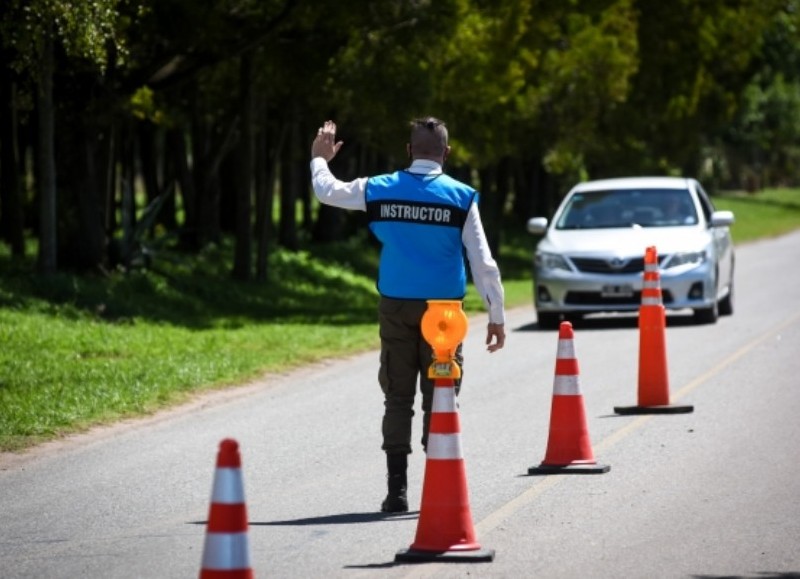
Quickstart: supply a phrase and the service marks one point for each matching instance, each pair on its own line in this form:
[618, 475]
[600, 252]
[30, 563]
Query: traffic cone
[569, 449]
[226, 553]
[653, 390]
[444, 529]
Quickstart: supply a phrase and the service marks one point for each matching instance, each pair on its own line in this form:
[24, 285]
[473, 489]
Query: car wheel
[707, 315]
[548, 320]
[726, 303]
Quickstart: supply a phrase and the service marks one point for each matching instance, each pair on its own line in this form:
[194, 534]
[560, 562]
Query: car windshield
[628, 208]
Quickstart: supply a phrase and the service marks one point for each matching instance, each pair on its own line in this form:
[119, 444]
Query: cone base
[569, 469]
[456, 556]
[661, 409]
[226, 574]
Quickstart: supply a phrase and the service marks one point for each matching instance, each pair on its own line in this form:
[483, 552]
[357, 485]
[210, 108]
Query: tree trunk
[242, 255]
[522, 208]
[489, 205]
[302, 175]
[110, 179]
[153, 176]
[48, 235]
[287, 233]
[270, 148]
[198, 143]
[127, 195]
[209, 150]
[11, 212]
[228, 192]
[183, 175]
[328, 227]
[90, 232]
[534, 191]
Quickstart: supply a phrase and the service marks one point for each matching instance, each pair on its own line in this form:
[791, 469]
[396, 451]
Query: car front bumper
[565, 291]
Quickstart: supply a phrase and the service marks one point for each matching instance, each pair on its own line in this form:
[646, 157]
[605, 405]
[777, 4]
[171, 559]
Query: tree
[695, 59]
[217, 100]
[761, 146]
[11, 196]
[34, 31]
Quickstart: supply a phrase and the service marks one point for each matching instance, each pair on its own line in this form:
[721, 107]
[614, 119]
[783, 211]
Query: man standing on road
[424, 220]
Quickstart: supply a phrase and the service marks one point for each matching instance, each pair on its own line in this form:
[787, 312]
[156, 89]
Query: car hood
[624, 242]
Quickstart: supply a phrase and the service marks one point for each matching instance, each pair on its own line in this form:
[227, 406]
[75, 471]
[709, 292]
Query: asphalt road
[714, 493]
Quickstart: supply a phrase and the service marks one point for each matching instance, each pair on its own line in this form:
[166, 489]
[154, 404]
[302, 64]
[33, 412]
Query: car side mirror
[721, 218]
[537, 225]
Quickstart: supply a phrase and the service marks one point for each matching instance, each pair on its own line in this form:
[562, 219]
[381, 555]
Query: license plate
[617, 291]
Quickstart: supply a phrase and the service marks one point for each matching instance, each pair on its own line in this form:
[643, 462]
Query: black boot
[396, 501]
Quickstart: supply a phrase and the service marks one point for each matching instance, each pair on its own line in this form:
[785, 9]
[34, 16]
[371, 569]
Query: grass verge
[79, 351]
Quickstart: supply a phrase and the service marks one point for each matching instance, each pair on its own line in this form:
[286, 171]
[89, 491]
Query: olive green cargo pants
[405, 359]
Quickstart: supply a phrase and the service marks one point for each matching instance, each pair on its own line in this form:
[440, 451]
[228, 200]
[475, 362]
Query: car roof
[635, 183]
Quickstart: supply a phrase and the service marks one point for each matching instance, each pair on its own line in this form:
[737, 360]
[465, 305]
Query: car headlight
[686, 258]
[551, 261]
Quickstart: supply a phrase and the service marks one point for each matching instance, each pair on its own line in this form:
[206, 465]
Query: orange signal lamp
[444, 326]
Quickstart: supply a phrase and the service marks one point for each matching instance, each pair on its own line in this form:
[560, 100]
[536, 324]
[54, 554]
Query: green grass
[62, 373]
[77, 351]
[769, 213]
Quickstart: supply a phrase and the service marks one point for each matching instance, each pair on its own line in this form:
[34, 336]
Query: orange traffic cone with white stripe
[444, 530]
[569, 449]
[226, 553]
[653, 389]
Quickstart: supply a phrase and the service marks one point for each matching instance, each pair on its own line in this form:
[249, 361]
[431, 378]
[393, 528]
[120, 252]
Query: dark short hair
[428, 136]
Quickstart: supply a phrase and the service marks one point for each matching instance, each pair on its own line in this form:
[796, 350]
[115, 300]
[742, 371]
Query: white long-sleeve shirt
[485, 273]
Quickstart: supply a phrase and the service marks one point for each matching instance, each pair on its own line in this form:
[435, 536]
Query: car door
[721, 239]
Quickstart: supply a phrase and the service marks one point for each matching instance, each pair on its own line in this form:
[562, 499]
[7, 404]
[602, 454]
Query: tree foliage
[203, 110]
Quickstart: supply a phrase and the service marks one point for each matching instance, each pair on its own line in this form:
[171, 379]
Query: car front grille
[596, 299]
[622, 266]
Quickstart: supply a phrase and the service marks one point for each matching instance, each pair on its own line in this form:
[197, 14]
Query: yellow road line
[493, 520]
[490, 522]
[735, 356]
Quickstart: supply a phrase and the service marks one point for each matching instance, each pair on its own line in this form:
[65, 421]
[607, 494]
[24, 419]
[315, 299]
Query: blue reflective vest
[419, 219]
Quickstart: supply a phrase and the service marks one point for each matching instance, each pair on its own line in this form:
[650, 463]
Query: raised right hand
[325, 144]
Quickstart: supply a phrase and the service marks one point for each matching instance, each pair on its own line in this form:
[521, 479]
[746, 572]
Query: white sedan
[591, 257]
